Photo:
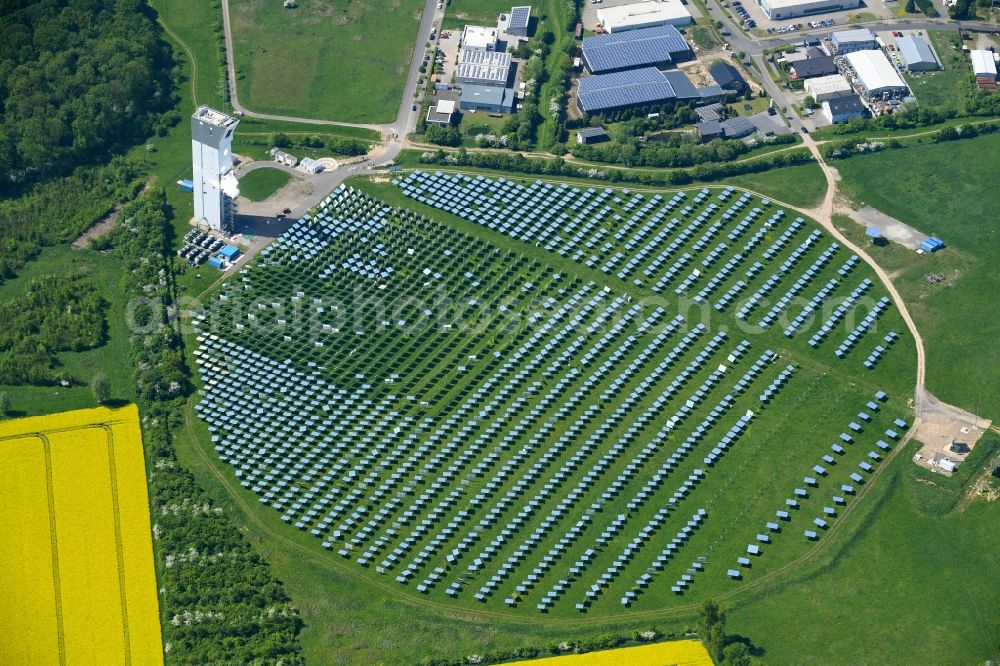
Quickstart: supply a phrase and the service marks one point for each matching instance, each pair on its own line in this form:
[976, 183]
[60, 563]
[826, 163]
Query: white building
[777, 10]
[916, 54]
[478, 37]
[309, 165]
[876, 74]
[215, 185]
[827, 87]
[643, 15]
[848, 41]
[983, 64]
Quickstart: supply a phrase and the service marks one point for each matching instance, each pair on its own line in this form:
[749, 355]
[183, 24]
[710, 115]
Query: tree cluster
[220, 601]
[558, 167]
[60, 210]
[57, 313]
[670, 151]
[337, 145]
[442, 135]
[80, 79]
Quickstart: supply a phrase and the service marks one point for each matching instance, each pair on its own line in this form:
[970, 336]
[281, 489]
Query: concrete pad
[892, 229]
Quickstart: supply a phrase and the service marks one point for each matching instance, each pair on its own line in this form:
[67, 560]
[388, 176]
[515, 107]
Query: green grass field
[942, 89]
[104, 273]
[337, 61]
[801, 185]
[770, 459]
[920, 185]
[893, 591]
[259, 184]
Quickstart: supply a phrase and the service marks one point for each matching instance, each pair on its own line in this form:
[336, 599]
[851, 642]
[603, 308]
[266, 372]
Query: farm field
[77, 561]
[259, 184]
[679, 653]
[956, 317]
[508, 423]
[335, 61]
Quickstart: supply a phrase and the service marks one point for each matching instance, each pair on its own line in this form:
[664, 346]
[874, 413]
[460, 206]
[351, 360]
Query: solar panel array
[470, 422]
[633, 48]
[620, 89]
[519, 17]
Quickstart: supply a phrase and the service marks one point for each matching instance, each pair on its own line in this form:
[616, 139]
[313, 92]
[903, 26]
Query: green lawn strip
[801, 185]
[956, 317]
[864, 597]
[336, 61]
[192, 24]
[259, 184]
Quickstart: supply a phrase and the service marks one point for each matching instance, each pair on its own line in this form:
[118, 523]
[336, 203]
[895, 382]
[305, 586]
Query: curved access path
[824, 215]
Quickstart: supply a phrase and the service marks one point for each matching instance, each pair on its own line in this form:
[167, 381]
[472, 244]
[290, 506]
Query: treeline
[673, 152]
[57, 313]
[845, 149]
[59, 211]
[518, 163]
[220, 601]
[337, 145]
[80, 79]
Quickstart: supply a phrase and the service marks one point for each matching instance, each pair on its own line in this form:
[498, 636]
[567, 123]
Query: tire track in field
[119, 548]
[50, 496]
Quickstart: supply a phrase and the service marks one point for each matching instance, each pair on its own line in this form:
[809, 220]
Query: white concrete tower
[215, 185]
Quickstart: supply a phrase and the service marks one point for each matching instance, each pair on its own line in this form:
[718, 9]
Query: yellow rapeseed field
[673, 653]
[77, 573]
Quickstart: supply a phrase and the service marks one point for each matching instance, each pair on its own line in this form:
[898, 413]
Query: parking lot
[750, 10]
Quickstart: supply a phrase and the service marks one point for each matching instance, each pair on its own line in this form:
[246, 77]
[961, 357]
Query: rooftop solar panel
[519, 17]
[633, 48]
[620, 89]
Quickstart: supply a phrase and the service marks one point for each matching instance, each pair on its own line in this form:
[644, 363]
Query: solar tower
[215, 185]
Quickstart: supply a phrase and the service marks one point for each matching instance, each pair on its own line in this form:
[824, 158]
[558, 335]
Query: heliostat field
[533, 397]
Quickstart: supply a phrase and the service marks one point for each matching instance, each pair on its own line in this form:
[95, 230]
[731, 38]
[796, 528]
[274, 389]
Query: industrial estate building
[827, 87]
[821, 66]
[732, 128]
[483, 68]
[440, 113]
[647, 86]
[643, 15]
[479, 37]
[842, 109]
[876, 75]
[646, 47]
[587, 135]
[916, 54]
[984, 66]
[728, 78]
[518, 21]
[777, 10]
[849, 41]
[486, 98]
[214, 184]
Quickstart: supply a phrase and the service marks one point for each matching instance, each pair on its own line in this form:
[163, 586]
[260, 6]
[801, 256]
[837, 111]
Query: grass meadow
[942, 190]
[104, 273]
[334, 60]
[259, 184]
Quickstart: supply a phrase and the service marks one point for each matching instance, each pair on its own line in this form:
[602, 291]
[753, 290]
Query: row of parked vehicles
[198, 247]
[741, 11]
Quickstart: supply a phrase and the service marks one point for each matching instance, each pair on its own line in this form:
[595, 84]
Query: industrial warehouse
[877, 77]
[787, 9]
[643, 15]
[647, 47]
